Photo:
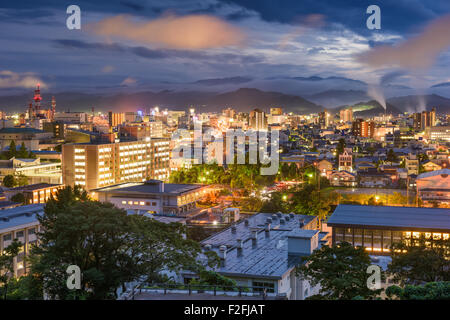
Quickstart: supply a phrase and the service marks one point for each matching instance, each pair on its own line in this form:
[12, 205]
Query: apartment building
[96, 165]
[20, 223]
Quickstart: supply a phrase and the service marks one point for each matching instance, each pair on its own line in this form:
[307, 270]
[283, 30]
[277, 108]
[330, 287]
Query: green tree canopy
[9, 181]
[341, 272]
[421, 262]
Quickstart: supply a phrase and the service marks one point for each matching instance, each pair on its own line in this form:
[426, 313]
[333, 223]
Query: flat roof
[150, 188]
[391, 217]
[14, 217]
[35, 186]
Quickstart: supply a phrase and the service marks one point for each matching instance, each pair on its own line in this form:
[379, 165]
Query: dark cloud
[397, 16]
[148, 53]
[132, 5]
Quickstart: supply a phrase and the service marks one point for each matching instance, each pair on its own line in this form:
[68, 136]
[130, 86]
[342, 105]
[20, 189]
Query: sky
[153, 44]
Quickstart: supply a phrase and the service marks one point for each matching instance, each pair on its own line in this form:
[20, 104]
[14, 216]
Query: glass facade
[378, 241]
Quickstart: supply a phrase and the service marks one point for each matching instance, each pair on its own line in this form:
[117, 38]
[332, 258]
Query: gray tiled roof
[394, 217]
[269, 258]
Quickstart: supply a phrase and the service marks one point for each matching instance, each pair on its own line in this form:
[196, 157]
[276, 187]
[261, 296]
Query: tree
[429, 291]
[110, 247]
[90, 235]
[391, 156]
[421, 262]
[340, 270]
[21, 180]
[9, 181]
[7, 264]
[161, 246]
[12, 149]
[22, 153]
[19, 198]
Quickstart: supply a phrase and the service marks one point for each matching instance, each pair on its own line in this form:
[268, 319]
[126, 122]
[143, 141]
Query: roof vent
[233, 229]
[254, 238]
[269, 220]
[279, 214]
[223, 252]
[239, 246]
[291, 215]
[302, 223]
[287, 218]
[282, 221]
[246, 222]
[274, 217]
[208, 247]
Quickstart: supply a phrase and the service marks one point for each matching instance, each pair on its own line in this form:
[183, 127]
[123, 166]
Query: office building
[362, 128]
[154, 196]
[258, 120]
[346, 115]
[95, 165]
[116, 118]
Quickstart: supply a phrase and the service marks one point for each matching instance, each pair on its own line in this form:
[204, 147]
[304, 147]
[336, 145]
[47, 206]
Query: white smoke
[376, 93]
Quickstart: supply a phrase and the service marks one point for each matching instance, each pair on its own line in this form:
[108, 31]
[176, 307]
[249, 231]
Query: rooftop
[269, 258]
[150, 188]
[36, 186]
[14, 217]
[20, 130]
[394, 217]
[434, 173]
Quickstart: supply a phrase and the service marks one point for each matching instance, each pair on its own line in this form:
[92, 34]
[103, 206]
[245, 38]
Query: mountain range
[242, 99]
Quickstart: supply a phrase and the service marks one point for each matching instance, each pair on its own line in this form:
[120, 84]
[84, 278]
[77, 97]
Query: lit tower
[52, 113]
[37, 98]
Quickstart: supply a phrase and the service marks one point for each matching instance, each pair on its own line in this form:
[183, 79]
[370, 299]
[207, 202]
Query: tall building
[229, 113]
[324, 119]
[95, 165]
[258, 120]
[425, 119]
[346, 115]
[115, 119]
[362, 128]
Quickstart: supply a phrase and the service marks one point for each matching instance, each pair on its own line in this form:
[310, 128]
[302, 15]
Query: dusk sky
[151, 43]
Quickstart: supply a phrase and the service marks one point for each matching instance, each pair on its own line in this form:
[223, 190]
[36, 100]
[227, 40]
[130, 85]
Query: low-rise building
[34, 193]
[20, 223]
[35, 170]
[434, 186]
[377, 227]
[264, 250]
[343, 179]
[154, 196]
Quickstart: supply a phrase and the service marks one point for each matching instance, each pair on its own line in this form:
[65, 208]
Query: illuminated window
[437, 236]
[124, 202]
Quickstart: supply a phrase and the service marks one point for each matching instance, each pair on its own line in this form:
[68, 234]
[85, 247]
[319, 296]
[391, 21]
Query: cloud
[419, 52]
[129, 82]
[304, 23]
[108, 69]
[170, 31]
[151, 54]
[10, 79]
